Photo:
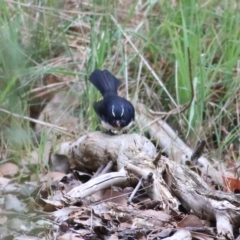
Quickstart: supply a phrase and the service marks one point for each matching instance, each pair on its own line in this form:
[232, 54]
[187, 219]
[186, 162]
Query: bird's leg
[109, 132]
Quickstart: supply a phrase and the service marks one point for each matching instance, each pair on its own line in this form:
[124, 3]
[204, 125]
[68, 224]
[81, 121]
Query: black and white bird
[115, 113]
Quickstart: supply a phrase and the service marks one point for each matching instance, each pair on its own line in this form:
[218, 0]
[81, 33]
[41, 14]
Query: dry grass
[53, 46]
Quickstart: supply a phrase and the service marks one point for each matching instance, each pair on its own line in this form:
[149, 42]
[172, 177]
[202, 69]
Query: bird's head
[120, 116]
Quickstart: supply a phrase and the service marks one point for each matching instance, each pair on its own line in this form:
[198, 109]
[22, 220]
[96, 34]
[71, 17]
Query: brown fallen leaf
[8, 169]
[63, 213]
[190, 221]
[231, 184]
[72, 236]
[53, 177]
[124, 225]
[115, 197]
[113, 237]
[161, 215]
[51, 205]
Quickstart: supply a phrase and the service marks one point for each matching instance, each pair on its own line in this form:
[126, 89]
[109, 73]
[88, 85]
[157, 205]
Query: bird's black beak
[118, 125]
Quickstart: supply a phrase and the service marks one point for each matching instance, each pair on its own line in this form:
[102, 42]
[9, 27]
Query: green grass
[161, 35]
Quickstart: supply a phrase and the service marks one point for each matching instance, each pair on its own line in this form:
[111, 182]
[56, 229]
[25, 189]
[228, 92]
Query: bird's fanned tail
[104, 81]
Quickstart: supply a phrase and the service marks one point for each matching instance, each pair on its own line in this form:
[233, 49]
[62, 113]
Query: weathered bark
[95, 149]
[206, 203]
[170, 142]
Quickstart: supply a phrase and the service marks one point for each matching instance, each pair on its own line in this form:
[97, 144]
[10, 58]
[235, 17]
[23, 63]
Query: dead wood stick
[99, 183]
[196, 196]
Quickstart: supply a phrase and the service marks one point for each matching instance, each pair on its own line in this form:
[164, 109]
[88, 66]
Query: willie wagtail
[116, 113]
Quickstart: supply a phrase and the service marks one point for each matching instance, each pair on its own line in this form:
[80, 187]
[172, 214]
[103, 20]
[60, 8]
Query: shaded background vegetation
[45, 42]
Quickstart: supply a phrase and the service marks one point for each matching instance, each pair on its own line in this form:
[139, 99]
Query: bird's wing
[100, 109]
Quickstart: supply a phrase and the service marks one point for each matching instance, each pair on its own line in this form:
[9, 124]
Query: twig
[135, 191]
[198, 151]
[107, 168]
[34, 120]
[157, 158]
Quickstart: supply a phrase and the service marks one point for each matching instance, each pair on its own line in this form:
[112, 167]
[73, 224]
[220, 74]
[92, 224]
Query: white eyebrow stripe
[113, 111]
[122, 110]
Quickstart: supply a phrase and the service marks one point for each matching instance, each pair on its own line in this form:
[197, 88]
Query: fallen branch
[171, 144]
[172, 182]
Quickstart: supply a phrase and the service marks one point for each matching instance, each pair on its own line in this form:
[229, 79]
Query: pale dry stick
[28, 58]
[158, 118]
[58, 61]
[44, 93]
[98, 172]
[135, 191]
[139, 26]
[174, 111]
[107, 168]
[35, 120]
[73, 45]
[45, 88]
[125, 69]
[83, 63]
[223, 109]
[138, 80]
[205, 4]
[176, 78]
